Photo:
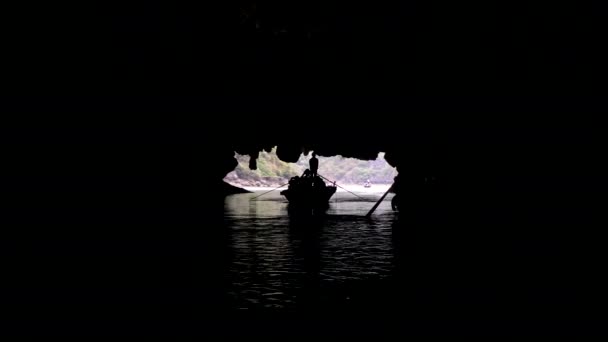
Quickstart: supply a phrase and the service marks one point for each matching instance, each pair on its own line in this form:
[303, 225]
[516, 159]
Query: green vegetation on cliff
[271, 171]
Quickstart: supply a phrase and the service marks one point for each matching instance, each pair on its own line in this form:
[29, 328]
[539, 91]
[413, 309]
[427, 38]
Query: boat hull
[312, 197]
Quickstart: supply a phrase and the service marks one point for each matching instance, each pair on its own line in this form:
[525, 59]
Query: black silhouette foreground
[308, 192]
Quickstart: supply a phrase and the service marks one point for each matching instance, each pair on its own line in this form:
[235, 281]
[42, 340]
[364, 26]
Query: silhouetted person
[314, 164]
[294, 181]
[396, 199]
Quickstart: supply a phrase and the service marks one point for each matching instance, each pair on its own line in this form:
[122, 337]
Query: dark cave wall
[466, 91]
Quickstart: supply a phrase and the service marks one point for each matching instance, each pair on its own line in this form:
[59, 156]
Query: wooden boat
[308, 192]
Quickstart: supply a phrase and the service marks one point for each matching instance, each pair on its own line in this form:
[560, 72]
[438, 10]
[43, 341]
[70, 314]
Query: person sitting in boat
[294, 181]
[306, 180]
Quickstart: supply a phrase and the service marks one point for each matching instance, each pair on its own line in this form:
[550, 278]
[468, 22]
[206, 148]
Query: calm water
[280, 262]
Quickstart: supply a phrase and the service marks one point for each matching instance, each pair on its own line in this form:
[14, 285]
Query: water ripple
[277, 262]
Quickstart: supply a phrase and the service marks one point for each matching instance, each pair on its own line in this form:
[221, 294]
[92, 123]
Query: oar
[380, 200]
[341, 187]
[280, 186]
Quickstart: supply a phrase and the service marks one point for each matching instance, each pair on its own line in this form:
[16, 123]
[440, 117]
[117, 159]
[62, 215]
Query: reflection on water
[283, 262]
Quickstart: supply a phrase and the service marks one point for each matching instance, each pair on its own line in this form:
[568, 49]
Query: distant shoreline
[350, 187]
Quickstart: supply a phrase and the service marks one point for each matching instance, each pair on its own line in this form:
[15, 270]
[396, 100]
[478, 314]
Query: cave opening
[340, 185]
[269, 171]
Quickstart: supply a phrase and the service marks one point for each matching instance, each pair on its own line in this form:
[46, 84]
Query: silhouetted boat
[367, 184]
[308, 192]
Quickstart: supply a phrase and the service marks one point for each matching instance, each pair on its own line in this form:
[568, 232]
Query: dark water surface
[247, 267]
[280, 262]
